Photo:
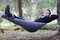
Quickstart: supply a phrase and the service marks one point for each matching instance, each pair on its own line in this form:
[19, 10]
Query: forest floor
[24, 35]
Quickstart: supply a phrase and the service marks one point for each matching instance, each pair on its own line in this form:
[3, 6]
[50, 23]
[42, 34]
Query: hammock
[27, 25]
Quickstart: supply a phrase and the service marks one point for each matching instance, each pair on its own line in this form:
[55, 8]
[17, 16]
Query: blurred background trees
[32, 9]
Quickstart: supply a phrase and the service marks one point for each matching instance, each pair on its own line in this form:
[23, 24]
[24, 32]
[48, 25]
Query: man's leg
[13, 16]
[8, 14]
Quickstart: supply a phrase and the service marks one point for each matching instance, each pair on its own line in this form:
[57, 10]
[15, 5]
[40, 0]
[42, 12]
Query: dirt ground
[24, 35]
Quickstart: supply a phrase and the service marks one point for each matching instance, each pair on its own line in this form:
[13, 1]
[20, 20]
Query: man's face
[46, 13]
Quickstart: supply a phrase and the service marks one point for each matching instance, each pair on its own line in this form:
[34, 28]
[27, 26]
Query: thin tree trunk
[58, 10]
[20, 11]
[20, 8]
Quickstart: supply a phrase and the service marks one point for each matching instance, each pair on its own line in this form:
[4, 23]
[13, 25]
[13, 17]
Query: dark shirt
[46, 19]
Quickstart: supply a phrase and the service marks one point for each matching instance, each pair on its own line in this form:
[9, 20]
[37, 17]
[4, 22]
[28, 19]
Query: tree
[58, 10]
[20, 8]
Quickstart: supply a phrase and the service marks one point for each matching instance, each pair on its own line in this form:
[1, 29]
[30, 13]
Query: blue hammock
[27, 25]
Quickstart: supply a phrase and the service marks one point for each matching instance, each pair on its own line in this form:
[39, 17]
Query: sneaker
[7, 11]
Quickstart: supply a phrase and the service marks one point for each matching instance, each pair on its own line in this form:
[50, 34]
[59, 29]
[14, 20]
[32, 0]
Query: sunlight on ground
[18, 35]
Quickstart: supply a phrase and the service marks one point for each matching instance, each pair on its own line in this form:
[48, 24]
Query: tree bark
[20, 8]
[58, 10]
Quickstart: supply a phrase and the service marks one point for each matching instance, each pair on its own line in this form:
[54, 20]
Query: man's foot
[7, 11]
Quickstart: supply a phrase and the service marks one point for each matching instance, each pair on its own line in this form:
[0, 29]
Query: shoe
[7, 11]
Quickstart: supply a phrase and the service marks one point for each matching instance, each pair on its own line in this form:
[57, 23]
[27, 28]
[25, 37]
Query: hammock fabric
[27, 25]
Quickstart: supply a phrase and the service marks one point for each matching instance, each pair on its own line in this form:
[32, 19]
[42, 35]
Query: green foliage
[6, 25]
[36, 8]
[1, 6]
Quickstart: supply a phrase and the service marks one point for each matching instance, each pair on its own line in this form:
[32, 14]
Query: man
[29, 26]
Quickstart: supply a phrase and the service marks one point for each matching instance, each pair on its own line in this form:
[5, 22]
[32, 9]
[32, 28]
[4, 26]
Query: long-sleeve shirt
[46, 19]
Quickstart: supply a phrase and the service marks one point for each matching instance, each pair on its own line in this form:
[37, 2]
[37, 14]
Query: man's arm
[54, 16]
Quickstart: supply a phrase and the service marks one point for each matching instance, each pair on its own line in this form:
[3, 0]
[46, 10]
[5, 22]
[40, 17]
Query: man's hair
[49, 11]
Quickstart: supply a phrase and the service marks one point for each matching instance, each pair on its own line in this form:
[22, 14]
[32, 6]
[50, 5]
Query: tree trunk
[20, 8]
[58, 10]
